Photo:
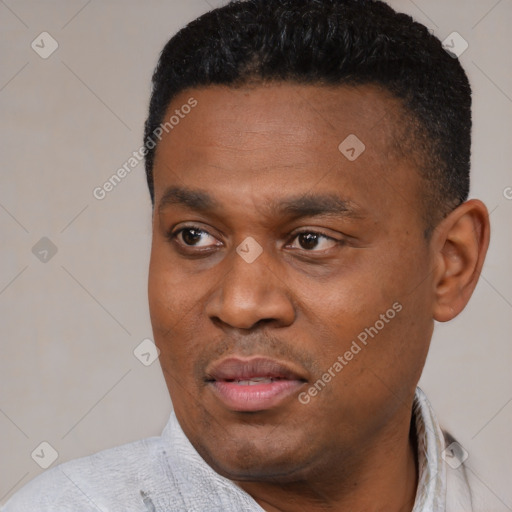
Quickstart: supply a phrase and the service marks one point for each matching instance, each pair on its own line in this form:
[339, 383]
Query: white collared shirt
[165, 473]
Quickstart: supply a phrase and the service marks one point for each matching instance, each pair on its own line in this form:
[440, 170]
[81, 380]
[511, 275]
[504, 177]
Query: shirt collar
[431, 492]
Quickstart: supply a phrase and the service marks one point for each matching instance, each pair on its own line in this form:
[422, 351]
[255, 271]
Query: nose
[251, 293]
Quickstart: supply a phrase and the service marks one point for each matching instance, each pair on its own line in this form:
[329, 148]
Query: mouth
[251, 385]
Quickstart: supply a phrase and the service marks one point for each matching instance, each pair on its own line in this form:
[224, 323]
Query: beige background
[69, 326]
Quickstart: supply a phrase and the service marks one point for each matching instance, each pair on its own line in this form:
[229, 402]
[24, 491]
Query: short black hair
[332, 42]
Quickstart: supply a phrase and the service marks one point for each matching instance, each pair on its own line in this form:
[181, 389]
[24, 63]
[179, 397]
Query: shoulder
[116, 479]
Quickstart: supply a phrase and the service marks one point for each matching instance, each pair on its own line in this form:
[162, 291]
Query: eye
[192, 236]
[309, 240]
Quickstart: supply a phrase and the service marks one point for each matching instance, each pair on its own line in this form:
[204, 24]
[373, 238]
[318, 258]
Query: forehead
[277, 138]
[250, 115]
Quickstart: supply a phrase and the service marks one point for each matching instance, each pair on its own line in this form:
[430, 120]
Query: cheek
[169, 292]
[381, 308]
[342, 308]
[168, 306]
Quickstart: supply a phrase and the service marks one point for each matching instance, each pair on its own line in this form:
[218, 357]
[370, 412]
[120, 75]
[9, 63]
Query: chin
[246, 462]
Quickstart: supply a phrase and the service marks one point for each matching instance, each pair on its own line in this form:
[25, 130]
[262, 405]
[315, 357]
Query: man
[308, 164]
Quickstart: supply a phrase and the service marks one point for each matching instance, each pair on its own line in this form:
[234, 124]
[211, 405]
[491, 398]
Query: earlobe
[462, 239]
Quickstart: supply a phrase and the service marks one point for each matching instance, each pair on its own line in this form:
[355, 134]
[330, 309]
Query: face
[289, 288]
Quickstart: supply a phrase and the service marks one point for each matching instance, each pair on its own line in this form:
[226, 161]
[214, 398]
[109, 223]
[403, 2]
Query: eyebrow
[303, 205]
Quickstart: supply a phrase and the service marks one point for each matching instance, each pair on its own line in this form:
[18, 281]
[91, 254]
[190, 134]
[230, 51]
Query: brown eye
[191, 235]
[310, 240]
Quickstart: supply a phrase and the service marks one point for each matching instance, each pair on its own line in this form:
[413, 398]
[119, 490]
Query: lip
[265, 383]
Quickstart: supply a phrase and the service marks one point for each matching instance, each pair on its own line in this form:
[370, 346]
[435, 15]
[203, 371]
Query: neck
[381, 476]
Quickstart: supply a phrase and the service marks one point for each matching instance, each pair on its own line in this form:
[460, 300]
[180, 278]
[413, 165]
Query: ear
[460, 244]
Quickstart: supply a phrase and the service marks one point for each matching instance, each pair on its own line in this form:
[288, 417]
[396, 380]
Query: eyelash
[172, 236]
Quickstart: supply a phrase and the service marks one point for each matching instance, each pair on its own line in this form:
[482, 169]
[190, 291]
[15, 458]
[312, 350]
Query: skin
[301, 301]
